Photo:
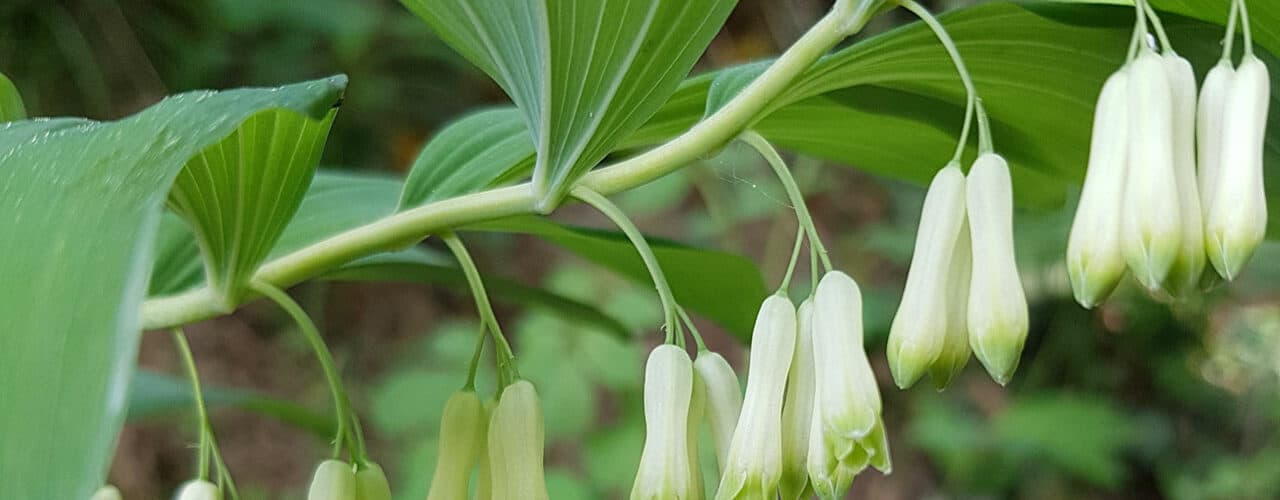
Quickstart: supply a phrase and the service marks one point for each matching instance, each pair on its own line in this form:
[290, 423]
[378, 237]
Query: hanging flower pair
[1172, 180]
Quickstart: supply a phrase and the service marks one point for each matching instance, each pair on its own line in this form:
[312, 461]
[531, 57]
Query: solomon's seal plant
[208, 200]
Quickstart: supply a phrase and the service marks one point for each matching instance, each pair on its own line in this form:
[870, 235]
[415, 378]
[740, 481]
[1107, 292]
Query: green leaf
[724, 287]
[10, 102]
[82, 202]
[585, 73]
[468, 155]
[1084, 436]
[239, 194]
[155, 394]
[1262, 16]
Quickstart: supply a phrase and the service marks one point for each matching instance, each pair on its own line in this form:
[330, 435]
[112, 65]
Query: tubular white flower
[797, 411]
[664, 464]
[1095, 259]
[828, 475]
[516, 439]
[997, 305]
[371, 483]
[460, 444]
[697, 411]
[198, 489]
[334, 480]
[1210, 116]
[754, 465]
[955, 345]
[1152, 220]
[1188, 264]
[724, 400]
[1237, 219]
[846, 387]
[919, 328]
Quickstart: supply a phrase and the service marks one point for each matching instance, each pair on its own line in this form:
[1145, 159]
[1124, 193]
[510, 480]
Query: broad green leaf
[11, 107]
[154, 394]
[82, 201]
[1084, 436]
[468, 155]
[1263, 15]
[585, 73]
[239, 194]
[724, 287]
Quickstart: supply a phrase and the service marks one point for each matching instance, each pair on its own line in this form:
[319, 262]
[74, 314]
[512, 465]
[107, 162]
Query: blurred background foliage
[1137, 399]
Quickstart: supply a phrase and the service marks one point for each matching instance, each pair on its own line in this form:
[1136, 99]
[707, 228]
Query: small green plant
[208, 200]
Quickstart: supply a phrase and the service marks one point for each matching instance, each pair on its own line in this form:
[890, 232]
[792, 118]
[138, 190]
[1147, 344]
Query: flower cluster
[809, 421]
[946, 308]
[1174, 179]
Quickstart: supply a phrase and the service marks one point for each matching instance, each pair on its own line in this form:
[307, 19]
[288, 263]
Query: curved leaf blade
[82, 202]
[155, 394]
[469, 154]
[11, 107]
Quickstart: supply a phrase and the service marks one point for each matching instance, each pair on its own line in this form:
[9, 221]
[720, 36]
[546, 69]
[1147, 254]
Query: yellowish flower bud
[461, 433]
[1095, 256]
[107, 492]
[516, 440]
[664, 464]
[1188, 264]
[955, 345]
[1152, 230]
[334, 480]
[1237, 220]
[724, 400]
[846, 387]
[198, 489]
[754, 465]
[797, 410]
[997, 304]
[920, 327]
[371, 483]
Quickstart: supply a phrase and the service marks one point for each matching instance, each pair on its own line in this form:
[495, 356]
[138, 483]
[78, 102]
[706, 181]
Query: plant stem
[795, 257]
[1229, 39]
[475, 360]
[1160, 33]
[965, 76]
[779, 167]
[410, 226]
[619, 218]
[1246, 27]
[202, 413]
[507, 372]
[697, 336]
[341, 405]
[1139, 31]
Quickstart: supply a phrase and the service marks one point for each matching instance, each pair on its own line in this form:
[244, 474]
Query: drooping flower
[664, 471]
[955, 345]
[516, 440]
[461, 433]
[724, 400]
[697, 412]
[829, 476]
[1188, 263]
[198, 489]
[1152, 229]
[371, 483]
[1237, 219]
[1210, 119]
[797, 410]
[997, 304]
[333, 480]
[849, 400]
[919, 327]
[754, 465]
[1095, 258]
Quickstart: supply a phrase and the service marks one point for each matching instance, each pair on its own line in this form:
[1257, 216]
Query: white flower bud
[664, 464]
[1237, 219]
[107, 492]
[997, 305]
[955, 344]
[724, 400]
[797, 411]
[919, 328]
[334, 480]
[1210, 116]
[754, 465]
[846, 387]
[1095, 259]
[1188, 264]
[1152, 221]
[516, 440]
[198, 489]
[462, 431]
[371, 483]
